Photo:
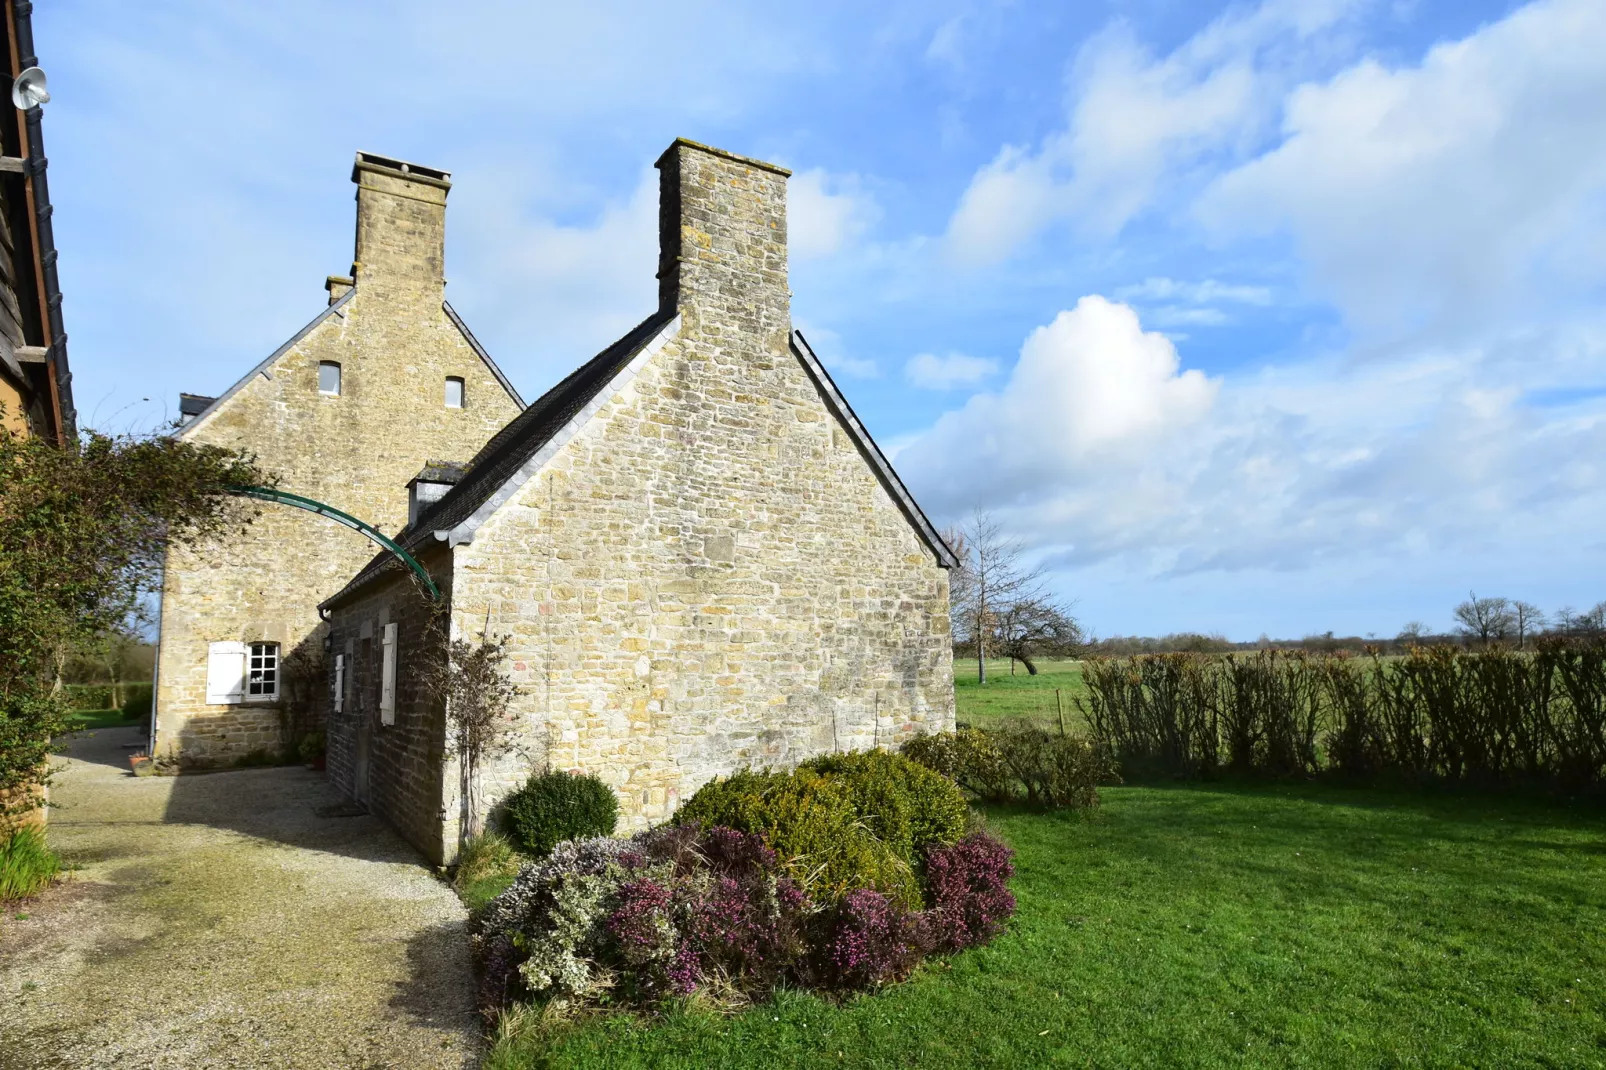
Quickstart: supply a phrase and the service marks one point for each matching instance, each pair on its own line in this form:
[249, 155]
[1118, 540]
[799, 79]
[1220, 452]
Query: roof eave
[872, 453]
[266, 363]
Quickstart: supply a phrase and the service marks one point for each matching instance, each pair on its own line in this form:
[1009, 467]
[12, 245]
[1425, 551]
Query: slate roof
[512, 447]
[508, 450]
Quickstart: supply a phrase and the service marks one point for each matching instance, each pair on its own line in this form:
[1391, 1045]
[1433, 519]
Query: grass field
[1222, 926]
[83, 720]
[1020, 695]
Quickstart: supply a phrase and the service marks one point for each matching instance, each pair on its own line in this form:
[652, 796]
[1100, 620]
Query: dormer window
[430, 486]
[454, 392]
[329, 378]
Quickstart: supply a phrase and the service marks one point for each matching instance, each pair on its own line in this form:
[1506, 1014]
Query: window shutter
[387, 678]
[340, 683]
[225, 673]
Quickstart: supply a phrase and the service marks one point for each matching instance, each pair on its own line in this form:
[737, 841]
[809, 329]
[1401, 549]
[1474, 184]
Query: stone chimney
[401, 228]
[722, 242]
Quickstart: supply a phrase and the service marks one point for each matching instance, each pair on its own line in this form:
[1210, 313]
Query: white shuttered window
[225, 673]
[387, 677]
[340, 683]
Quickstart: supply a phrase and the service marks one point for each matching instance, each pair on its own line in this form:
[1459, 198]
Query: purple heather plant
[970, 900]
[670, 910]
[869, 940]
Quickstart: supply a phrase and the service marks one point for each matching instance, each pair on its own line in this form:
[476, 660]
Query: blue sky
[1272, 317]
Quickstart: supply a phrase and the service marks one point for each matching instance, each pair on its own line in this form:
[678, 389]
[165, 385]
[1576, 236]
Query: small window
[454, 392]
[262, 678]
[329, 378]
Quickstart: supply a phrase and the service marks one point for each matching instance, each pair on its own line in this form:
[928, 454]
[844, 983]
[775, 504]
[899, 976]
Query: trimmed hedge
[556, 806]
[137, 706]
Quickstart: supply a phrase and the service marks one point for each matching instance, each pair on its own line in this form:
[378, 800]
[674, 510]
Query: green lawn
[1020, 695]
[86, 719]
[1223, 926]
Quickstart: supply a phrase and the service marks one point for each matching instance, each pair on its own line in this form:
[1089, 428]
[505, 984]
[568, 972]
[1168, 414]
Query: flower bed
[684, 909]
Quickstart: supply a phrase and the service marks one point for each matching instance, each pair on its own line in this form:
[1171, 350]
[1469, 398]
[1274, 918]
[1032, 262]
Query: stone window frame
[462, 392]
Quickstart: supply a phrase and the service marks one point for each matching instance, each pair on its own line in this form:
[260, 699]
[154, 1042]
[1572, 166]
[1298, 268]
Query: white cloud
[931, 372]
[1089, 387]
[1450, 193]
[1137, 121]
[1203, 292]
[1099, 450]
[558, 292]
[826, 213]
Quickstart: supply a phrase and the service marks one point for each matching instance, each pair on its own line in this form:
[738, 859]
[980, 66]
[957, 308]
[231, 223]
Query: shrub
[1018, 759]
[311, 746]
[868, 940]
[968, 757]
[89, 696]
[27, 864]
[906, 805]
[841, 822]
[965, 883]
[556, 806]
[137, 706]
[658, 914]
[1055, 771]
[809, 819]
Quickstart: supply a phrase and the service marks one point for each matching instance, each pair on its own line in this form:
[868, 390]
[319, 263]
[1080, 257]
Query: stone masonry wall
[710, 575]
[396, 345]
[395, 769]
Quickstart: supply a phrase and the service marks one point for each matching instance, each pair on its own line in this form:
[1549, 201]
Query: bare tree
[1593, 622]
[1485, 619]
[1528, 618]
[468, 678]
[997, 602]
[1024, 627]
[1412, 633]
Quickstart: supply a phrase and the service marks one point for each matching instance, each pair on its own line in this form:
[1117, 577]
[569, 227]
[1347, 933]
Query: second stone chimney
[401, 228]
[722, 241]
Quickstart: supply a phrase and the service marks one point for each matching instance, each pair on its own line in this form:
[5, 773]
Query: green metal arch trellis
[284, 497]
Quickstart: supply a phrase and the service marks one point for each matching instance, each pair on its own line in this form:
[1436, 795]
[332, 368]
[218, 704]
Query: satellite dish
[29, 91]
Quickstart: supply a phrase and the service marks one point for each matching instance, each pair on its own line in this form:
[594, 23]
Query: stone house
[701, 559]
[383, 381]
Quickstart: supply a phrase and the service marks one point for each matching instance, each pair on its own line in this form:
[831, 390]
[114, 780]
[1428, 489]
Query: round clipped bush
[556, 806]
[909, 808]
[810, 820]
[842, 821]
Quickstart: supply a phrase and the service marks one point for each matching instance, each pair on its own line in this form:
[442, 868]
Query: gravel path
[239, 919]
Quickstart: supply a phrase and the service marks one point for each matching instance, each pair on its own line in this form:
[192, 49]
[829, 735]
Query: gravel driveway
[239, 919]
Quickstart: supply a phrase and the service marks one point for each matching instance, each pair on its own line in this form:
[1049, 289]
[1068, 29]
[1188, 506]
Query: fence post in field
[1061, 707]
